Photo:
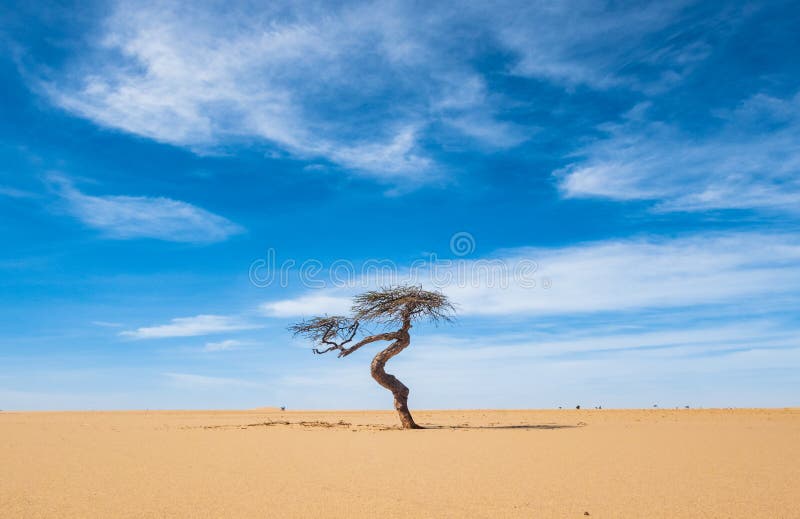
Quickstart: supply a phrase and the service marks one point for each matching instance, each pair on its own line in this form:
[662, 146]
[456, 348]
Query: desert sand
[269, 463]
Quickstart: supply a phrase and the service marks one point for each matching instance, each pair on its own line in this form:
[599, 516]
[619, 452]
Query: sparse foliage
[394, 306]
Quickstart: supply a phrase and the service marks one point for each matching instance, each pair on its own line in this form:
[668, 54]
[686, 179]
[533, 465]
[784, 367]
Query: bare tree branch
[372, 338]
[334, 331]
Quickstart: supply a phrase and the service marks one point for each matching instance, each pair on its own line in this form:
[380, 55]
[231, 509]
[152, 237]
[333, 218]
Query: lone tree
[395, 307]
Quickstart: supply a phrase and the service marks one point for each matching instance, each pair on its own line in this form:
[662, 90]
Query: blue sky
[644, 156]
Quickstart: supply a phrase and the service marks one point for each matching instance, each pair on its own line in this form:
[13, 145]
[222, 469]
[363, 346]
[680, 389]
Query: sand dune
[268, 463]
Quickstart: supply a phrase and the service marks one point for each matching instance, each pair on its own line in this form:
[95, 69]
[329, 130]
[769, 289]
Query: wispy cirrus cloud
[227, 344]
[130, 217]
[612, 370]
[751, 162]
[635, 274]
[602, 44]
[653, 341]
[310, 304]
[619, 366]
[191, 327]
[291, 77]
[370, 87]
[605, 276]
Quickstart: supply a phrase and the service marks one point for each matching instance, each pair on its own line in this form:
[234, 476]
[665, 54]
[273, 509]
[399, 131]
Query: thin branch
[334, 331]
[367, 340]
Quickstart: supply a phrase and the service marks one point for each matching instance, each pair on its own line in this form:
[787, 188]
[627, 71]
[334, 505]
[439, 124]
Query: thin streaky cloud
[185, 81]
[191, 327]
[308, 305]
[603, 276]
[694, 341]
[751, 162]
[227, 344]
[132, 217]
[595, 43]
[297, 77]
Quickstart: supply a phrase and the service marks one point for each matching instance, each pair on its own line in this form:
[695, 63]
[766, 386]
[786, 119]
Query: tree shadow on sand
[378, 427]
[547, 426]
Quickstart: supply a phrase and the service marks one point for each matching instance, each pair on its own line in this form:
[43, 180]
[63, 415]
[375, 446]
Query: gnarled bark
[390, 382]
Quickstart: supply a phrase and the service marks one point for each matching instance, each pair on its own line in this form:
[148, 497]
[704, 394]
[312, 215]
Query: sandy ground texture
[268, 463]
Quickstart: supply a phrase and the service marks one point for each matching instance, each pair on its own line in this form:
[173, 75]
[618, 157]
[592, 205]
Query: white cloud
[191, 327]
[645, 273]
[285, 76]
[489, 131]
[711, 364]
[752, 162]
[707, 366]
[606, 276]
[395, 157]
[129, 217]
[361, 85]
[601, 44]
[648, 342]
[307, 305]
[227, 344]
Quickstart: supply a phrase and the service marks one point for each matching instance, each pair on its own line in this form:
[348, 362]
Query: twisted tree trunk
[390, 382]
